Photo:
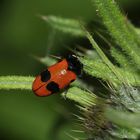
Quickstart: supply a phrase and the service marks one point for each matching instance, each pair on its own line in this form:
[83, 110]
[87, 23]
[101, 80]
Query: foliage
[111, 116]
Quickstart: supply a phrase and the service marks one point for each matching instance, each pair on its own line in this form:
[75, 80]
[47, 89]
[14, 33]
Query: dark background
[23, 34]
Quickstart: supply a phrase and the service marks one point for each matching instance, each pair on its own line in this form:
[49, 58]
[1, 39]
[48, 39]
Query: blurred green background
[23, 34]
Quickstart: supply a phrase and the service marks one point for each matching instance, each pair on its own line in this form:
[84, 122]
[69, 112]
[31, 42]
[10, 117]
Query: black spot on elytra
[45, 76]
[53, 87]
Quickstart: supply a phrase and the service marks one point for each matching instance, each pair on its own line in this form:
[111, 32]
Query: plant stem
[16, 82]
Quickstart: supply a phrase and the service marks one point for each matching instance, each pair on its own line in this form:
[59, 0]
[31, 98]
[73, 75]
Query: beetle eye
[74, 64]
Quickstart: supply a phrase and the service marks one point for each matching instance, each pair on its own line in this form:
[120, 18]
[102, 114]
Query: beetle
[58, 76]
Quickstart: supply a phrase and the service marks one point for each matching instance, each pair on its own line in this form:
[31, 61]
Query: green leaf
[104, 57]
[122, 59]
[82, 97]
[123, 133]
[119, 28]
[124, 119]
[101, 70]
[129, 97]
[46, 60]
[138, 31]
[69, 26]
